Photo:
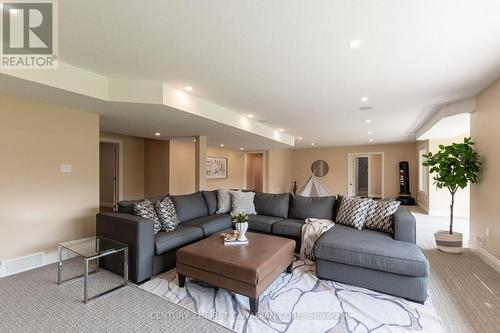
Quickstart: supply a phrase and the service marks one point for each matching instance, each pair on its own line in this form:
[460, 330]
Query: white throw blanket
[311, 231]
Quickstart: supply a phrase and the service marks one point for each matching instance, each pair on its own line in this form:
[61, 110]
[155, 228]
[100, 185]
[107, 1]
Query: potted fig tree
[453, 167]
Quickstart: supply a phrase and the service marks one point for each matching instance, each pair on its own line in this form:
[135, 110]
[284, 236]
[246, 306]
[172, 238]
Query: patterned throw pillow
[223, 201]
[146, 209]
[352, 212]
[166, 212]
[242, 202]
[379, 216]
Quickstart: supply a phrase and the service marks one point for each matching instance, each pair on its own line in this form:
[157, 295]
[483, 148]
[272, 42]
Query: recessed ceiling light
[281, 129]
[222, 145]
[250, 116]
[312, 144]
[371, 140]
[368, 121]
[300, 138]
[241, 148]
[364, 99]
[157, 134]
[370, 133]
[366, 108]
[188, 88]
[355, 43]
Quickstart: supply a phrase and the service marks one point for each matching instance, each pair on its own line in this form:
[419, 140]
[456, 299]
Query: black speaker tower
[404, 185]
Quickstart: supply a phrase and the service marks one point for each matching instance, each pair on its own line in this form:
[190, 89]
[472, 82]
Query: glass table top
[93, 246]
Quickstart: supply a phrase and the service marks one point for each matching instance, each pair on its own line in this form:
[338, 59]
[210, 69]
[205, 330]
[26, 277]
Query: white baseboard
[423, 207]
[31, 261]
[487, 257]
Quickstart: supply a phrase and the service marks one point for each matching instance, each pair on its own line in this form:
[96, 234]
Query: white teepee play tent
[313, 188]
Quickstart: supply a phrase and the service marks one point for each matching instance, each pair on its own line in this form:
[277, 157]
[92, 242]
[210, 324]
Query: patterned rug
[300, 302]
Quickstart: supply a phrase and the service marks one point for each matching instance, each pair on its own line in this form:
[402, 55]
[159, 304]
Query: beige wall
[41, 206]
[337, 158]
[235, 168]
[156, 167]
[280, 164]
[106, 173]
[484, 196]
[375, 175]
[133, 165]
[182, 166]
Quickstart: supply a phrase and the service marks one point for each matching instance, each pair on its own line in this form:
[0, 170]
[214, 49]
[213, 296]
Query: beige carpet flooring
[464, 289]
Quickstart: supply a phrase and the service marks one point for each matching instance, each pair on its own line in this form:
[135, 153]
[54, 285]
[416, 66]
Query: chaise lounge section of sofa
[392, 264]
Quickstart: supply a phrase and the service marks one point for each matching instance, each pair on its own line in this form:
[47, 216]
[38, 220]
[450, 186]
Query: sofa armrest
[405, 226]
[135, 231]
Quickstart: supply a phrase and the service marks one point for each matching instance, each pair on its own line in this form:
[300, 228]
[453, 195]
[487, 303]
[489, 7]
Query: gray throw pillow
[242, 202]
[166, 212]
[270, 204]
[352, 212]
[211, 201]
[379, 216]
[223, 201]
[146, 209]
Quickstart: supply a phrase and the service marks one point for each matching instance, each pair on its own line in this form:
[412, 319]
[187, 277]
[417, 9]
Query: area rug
[300, 302]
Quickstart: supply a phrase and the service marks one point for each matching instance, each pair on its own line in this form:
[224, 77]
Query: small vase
[242, 229]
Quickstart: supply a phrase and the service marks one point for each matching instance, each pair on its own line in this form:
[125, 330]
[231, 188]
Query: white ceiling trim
[80, 81]
[448, 127]
[464, 106]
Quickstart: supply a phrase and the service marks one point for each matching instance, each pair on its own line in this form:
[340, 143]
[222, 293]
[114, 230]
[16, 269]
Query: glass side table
[92, 248]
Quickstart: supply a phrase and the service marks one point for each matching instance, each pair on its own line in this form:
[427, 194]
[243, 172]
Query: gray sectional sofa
[392, 264]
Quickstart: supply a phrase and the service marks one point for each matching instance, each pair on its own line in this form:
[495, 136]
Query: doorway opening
[255, 172]
[366, 175]
[109, 175]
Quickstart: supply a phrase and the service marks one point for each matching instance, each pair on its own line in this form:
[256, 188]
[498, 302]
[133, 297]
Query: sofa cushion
[182, 235]
[211, 201]
[353, 211]
[242, 202]
[190, 206]
[272, 204]
[371, 249]
[288, 227]
[302, 208]
[223, 201]
[165, 210]
[211, 224]
[379, 216]
[127, 206]
[262, 223]
[147, 210]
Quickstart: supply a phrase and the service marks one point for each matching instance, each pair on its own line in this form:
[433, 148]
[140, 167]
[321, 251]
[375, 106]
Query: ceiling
[448, 127]
[141, 120]
[288, 63]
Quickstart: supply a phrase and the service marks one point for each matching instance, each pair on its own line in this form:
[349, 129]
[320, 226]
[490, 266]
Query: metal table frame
[85, 275]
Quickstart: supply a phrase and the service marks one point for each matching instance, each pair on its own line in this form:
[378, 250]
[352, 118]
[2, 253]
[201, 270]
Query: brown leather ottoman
[243, 269]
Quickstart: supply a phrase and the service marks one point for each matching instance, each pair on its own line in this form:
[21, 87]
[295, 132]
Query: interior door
[258, 179]
[352, 178]
[108, 175]
[115, 177]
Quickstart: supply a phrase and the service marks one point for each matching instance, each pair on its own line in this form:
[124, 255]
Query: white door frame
[351, 179]
[120, 163]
